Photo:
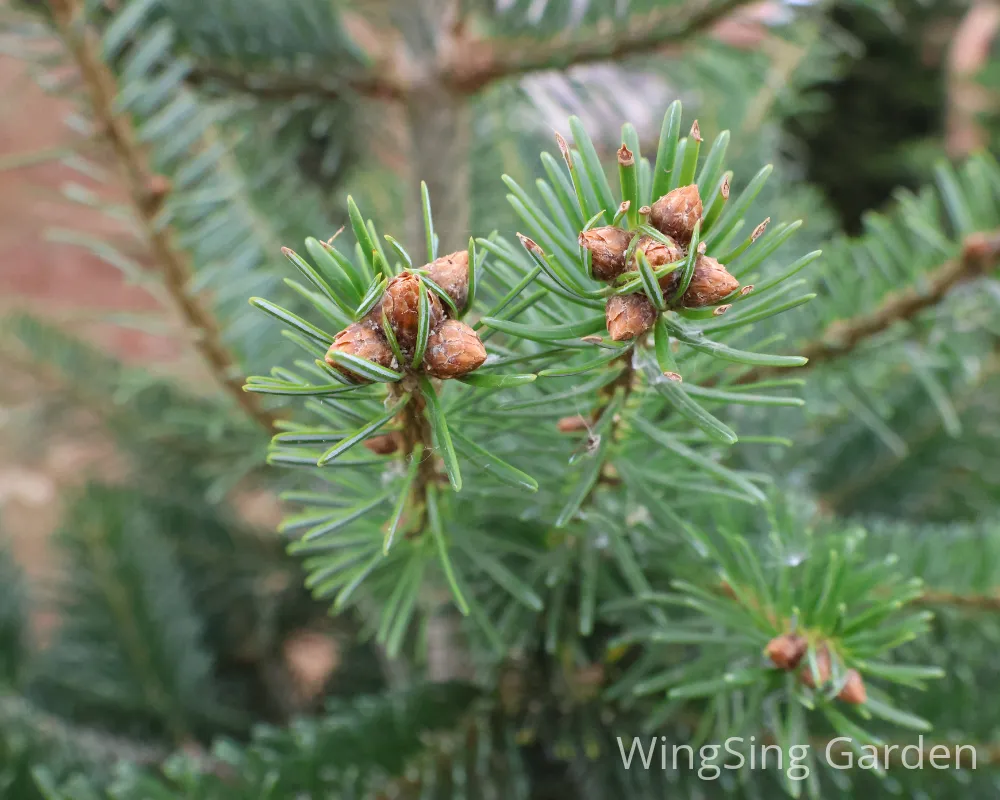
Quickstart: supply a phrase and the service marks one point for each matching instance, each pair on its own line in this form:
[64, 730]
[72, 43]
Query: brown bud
[451, 273]
[629, 315]
[453, 350]
[710, 283]
[607, 247]
[696, 132]
[572, 424]
[759, 230]
[401, 309]
[854, 689]
[676, 213]
[384, 444]
[822, 667]
[625, 157]
[786, 651]
[359, 339]
[657, 253]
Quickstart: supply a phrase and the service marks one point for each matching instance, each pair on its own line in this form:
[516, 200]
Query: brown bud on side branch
[659, 253]
[401, 309]
[572, 424]
[385, 444]
[853, 691]
[786, 651]
[607, 248]
[451, 273]
[710, 283]
[453, 349]
[823, 668]
[358, 339]
[677, 212]
[629, 315]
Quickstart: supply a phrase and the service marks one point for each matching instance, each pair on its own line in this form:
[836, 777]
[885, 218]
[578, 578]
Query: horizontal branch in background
[148, 192]
[468, 63]
[282, 85]
[473, 63]
[980, 253]
[973, 602]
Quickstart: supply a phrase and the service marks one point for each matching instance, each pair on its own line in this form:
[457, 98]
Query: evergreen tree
[591, 462]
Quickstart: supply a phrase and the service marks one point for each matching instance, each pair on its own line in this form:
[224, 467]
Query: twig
[285, 85]
[976, 602]
[980, 253]
[472, 63]
[148, 192]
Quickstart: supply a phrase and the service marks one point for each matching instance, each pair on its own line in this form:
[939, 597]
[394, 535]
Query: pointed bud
[786, 651]
[625, 157]
[822, 667]
[746, 290]
[673, 376]
[157, 188]
[677, 212]
[607, 246]
[451, 273]
[724, 189]
[718, 312]
[854, 691]
[453, 350]
[629, 315]
[657, 253]
[359, 339]
[385, 444]
[696, 131]
[759, 230]
[710, 283]
[401, 309]
[564, 150]
[530, 244]
[572, 424]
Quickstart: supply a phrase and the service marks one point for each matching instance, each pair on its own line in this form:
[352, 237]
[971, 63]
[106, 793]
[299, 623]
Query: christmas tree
[609, 465]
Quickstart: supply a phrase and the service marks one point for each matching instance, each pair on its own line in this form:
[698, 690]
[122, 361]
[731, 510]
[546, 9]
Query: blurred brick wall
[64, 284]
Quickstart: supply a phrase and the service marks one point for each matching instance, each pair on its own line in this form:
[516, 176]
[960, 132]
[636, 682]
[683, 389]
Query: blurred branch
[471, 63]
[980, 253]
[282, 86]
[467, 63]
[88, 743]
[148, 192]
[977, 602]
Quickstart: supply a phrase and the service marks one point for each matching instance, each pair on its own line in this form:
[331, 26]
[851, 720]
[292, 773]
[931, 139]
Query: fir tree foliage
[608, 525]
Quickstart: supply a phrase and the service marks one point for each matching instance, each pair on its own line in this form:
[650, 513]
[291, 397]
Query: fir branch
[882, 467]
[973, 602]
[148, 192]
[90, 744]
[979, 254]
[472, 63]
[415, 430]
[283, 86]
